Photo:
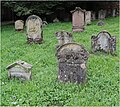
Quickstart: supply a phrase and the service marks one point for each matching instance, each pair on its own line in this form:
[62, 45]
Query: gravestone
[44, 23]
[103, 42]
[34, 29]
[88, 17]
[56, 20]
[19, 25]
[114, 12]
[100, 23]
[72, 59]
[78, 19]
[102, 14]
[19, 69]
[109, 13]
[63, 37]
[93, 16]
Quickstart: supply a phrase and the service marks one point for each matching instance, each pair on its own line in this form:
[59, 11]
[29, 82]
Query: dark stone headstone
[72, 59]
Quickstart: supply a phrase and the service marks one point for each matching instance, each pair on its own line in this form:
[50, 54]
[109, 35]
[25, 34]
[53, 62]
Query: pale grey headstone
[19, 25]
[63, 37]
[103, 42]
[34, 29]
[20, 69]
[88, 17]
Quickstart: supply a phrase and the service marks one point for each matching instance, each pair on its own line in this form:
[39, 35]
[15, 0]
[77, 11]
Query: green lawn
[101, 89]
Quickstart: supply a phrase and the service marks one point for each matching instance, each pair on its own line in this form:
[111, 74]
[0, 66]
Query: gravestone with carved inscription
[19, 25]
[19, 69]
[34, 29]
[78, 19]
[88, 17]
[63, 37]
[103, 42]
[72, 63]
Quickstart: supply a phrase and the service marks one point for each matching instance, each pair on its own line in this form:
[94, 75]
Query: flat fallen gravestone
[78, 19]
[63, 37]
[19, 69]
[103, 42]
[72, 59]
[19, 25]
[34, 29]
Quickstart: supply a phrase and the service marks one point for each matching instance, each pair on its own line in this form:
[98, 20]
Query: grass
[101, 88]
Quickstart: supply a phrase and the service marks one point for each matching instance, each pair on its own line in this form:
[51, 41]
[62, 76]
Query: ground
[101, 88]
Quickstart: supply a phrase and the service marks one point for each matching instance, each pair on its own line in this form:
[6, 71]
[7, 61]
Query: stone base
[37, 40]
[77, 30]
[19, 30]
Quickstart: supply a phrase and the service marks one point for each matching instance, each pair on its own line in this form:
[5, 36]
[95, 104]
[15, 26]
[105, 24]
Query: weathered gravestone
[93, 15]
[114, 12]
[102, 14]
[34, 29]
[103, 42]
[108, 14]
[44, 23]
[78, 19]
[100, 23]
[63, 37]
[72, 59]
[19, 69]
[56, 20]
[19, 25]
[88, 17]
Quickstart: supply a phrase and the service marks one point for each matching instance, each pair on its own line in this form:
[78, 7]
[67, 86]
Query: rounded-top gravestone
[103, 42]
[72, 59]
[19, 25]
[34, 29]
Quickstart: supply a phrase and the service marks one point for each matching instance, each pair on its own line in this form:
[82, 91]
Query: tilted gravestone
[88, 17]
[34, 29]
[78, 19]
[63, 37]
[102, 14]
[103, 42]
[72, 59]
[19, 69]
[19, 25]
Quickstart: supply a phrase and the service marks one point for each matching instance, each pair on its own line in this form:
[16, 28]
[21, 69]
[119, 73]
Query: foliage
[101, 88]
[27, 8]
